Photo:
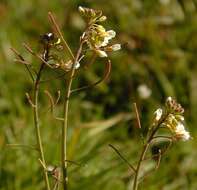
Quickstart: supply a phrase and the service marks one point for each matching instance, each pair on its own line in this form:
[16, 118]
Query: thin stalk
[145, 148]
[52, 19]
[135, 185]
[36, 122]
[65, 122]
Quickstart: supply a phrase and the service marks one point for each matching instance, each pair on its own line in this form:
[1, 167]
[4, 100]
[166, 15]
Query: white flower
[101, 53]
[158, 114]
[116, 47]
[107, 36]
[181, 133]
[143, 91]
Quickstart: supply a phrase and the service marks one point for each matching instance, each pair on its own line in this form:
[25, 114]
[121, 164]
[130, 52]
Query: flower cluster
[174, 120]
[97, 37]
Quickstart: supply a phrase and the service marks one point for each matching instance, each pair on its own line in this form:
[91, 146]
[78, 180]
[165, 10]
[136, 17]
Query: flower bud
[116, 47]
[101, 53]
[111, 33]
[81, 10]
[100, 28]
[179, 117]
[102, 19]
[173, 106]
[158, 114]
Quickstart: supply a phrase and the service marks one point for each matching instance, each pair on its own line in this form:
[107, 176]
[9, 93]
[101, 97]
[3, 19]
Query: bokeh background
[161, 54]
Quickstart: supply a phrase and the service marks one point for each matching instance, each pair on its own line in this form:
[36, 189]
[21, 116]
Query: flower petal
[101, 53]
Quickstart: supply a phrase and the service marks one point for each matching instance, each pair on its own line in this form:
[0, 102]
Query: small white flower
[186, 136]
[158, 114]
[116, 47]
[180, 128]
[143, 91]
[181, 133]
[101, 53]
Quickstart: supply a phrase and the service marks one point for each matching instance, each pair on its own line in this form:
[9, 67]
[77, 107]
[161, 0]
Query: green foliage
[161, 53]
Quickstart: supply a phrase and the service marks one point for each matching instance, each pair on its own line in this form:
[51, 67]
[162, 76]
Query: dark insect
[47, 37]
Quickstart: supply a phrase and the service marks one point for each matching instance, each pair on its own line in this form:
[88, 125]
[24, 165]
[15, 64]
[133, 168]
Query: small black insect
[49, 37]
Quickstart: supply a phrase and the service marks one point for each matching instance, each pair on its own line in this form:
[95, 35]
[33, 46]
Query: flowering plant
[96, 38]
[170, 118]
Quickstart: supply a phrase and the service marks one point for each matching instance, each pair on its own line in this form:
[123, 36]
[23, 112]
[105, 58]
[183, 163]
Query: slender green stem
[36, 122]
[135, 185]
[65, 122]
[145, 148]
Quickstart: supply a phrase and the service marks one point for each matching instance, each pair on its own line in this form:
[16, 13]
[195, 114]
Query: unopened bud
[101, 53]
[102, 19]
[158, 114]
[81, 10]
[116, 47]
[179, 117]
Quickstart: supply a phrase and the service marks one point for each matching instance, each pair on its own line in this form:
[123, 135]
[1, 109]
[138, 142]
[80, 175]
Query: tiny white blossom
[158, 114]
[143, 91]
[186, 136]
[181, 133]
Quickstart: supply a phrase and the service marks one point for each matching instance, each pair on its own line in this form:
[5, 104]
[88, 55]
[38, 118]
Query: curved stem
[99, 81]
[36, 122]
[65, 122]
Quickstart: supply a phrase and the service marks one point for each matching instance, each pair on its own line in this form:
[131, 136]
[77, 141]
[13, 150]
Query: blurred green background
[161, 54]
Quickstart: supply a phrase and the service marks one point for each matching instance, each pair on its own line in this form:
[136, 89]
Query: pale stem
[145, 148]
[65, 121]
[37, 127]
